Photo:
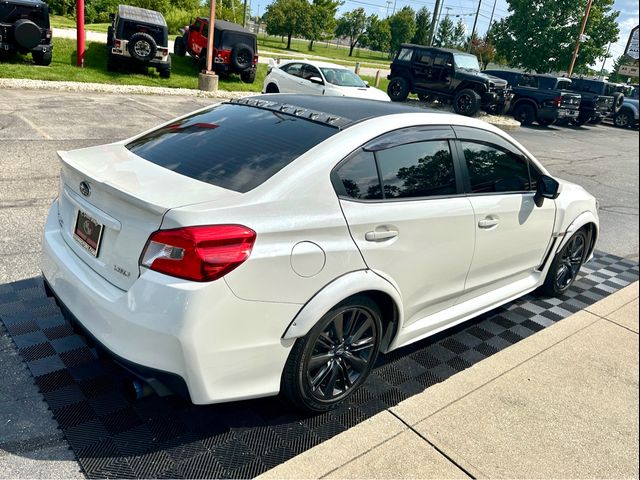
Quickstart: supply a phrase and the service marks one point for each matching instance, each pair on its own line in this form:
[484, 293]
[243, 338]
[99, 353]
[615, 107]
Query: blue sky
[466, 9]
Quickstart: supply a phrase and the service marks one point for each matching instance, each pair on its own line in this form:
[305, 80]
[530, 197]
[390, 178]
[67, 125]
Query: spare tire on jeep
[27, 34]
[142, 46]
[242, 56]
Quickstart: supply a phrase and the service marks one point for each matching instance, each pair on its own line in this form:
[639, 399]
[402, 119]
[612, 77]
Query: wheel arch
[361, 282]
[585, 220]
[522, 101]
[479, 88]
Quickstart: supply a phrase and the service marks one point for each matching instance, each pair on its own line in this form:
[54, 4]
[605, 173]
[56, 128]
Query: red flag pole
[80, 32]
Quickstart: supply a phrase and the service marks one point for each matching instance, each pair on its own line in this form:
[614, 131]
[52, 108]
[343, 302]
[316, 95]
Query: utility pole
[388, 5]
[258, 21]
[606, 56]
[80, 33]
[434, 21]
[475, 24]
[493, 12]
[244, 14]
[580, 37]
[394, 6]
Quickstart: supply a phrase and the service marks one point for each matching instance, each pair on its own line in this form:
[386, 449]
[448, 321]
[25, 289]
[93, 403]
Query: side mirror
[547, 188]
[366, 83]
[317, 80]
[112, 16]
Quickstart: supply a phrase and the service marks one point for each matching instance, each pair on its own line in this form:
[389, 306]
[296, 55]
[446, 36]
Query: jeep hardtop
[446, 75]
[138, 36]
[24, 28]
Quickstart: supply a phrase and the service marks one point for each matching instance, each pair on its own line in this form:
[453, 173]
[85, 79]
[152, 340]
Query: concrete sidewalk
[560, 404]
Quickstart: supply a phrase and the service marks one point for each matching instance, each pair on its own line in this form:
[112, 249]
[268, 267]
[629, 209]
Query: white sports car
[318, 78]
[278, 243]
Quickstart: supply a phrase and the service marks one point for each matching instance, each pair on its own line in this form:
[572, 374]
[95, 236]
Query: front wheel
[43, 58]
[335, 358]
[398, 89]
[466, 102]
[623, 119]
[580, 121]
[566, 265]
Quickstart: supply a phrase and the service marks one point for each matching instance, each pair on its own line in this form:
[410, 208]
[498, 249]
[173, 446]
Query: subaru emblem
[85, 189]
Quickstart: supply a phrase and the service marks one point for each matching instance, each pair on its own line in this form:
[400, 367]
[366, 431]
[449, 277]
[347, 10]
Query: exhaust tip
[137, 390]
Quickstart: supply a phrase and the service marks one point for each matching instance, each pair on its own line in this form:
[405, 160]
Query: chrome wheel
[142, 48]
[570, 262]
[341, 354]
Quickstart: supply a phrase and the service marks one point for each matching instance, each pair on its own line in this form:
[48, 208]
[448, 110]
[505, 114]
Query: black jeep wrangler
[235, 49]
[138, 36]
[446, 75]
[24, 27]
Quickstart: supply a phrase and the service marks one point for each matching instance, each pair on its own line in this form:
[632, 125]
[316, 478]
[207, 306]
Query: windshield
[342, 77]
[467, 61]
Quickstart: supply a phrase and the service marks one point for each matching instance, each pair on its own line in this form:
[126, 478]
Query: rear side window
[495, 170]
[236, 147]
[405, 54]
[421, 169]
[358, 177]
[294, 69]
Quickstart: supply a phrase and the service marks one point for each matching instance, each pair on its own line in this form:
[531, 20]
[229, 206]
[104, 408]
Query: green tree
[540, 35]
[322, 20]
[459, 35]
[403, 27]
[484, 49]
[287, 18]
[423, 24]
[352, 25]
[378, 35]
[445, 35]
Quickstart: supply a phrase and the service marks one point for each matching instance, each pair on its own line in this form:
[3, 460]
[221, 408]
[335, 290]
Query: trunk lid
[118, 199]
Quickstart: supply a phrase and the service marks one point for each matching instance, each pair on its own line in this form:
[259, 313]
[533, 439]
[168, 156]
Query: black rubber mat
[171, 438]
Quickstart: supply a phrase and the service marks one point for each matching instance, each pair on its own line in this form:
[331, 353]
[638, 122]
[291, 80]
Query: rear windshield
[39, 14]
[236, 147]
[129, 28]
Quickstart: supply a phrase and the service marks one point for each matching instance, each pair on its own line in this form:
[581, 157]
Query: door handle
[488, 222]
[380, 235]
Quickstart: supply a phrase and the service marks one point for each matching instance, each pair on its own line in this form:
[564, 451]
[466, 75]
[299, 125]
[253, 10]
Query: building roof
[141, 15]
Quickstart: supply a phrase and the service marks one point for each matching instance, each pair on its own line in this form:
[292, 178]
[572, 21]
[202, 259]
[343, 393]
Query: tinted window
[294, 69]
[359, 177]
[528, 81]
[420, 169]
[425, 57]
[232, 146]
[309, 71]
[494, 170]
[405, 54]
[442, 59]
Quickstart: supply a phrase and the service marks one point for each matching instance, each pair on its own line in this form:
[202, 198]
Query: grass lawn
[58, 21]
[184, 71]
[365, 57]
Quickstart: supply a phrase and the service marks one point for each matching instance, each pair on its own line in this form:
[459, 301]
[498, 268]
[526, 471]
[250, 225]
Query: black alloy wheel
[466, 102]
[335, 357]
[398, 89]
[566, 265]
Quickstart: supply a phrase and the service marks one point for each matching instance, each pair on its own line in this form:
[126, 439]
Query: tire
[179, 47]
[248, 76]
[623, 119]
[242, 57]
[566, 265]
[466, 102]
[110, 36]
[618, 100]
[165, 69]
[202, 61]
[27, 34]
[142, 47]
[524, 113]
[580, 121]
[328, 364]
[398, 89]
[42, 58]
[272, 88]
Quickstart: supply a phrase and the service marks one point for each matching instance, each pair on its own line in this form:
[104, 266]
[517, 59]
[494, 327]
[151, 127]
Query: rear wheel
[165, 69]
[241, 57]
[142, 47]
[248, 76]
[466, 102]
[42, 58]
[398, 89]
[524, 113]
[544, 122]
[335, 358]
[566, 265]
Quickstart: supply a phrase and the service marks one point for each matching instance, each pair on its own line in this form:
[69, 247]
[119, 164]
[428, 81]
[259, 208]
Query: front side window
[426, 57]
[442, 60]
[492, 169]
[405, 54]
[309, 71]
[358, 177]
[420, 169]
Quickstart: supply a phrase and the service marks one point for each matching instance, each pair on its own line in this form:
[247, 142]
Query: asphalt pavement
[35, 124]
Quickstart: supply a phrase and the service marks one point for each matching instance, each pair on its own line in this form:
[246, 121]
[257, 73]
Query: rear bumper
[221, 347]
[12, 47]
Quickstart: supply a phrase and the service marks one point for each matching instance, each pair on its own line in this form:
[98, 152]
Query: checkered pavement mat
[169, 437]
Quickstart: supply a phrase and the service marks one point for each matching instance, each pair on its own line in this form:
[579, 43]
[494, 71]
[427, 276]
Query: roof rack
[295, 111]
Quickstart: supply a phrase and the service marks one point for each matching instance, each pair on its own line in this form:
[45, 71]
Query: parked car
[318, 78]
[235, 47]
[138, 36]
[534, 103]
[599, 100]
[446, 75]
[24, 28]
[278, 243]
[627, 116]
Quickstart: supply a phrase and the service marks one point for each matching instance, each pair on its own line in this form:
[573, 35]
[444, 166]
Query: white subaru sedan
[279, 243]
[318, 78]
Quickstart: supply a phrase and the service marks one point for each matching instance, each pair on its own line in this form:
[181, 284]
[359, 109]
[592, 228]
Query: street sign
[633, 45]
[629, 70]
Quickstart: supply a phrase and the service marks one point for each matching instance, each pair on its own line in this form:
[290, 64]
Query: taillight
[558, 101]
[48, 33]
[117, 43]
[202, 254]
[255, 59]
